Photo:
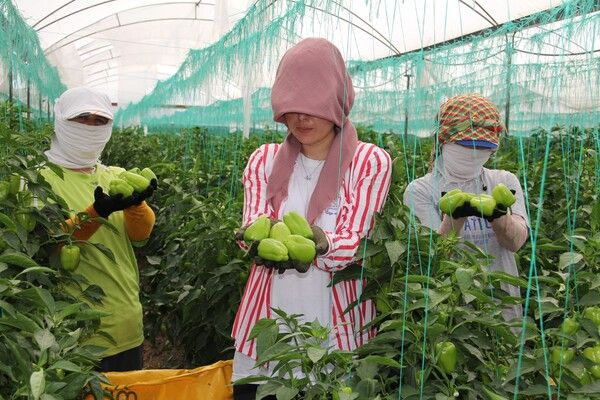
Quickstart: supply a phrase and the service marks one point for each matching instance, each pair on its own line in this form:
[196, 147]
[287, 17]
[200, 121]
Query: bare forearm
[450, 224]
[511, 231]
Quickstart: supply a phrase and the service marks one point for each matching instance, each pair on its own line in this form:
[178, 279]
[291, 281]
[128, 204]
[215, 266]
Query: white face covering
[77, 145]
[461, 164]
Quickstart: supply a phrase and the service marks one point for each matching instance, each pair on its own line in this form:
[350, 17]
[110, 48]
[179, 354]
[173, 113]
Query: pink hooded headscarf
[312, 79]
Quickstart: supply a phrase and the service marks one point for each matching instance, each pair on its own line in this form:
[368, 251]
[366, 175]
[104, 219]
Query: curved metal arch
[51, 50]
[118, 76]
[196, 3]
[117, 16]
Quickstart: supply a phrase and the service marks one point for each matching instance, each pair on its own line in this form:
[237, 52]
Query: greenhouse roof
[124, 47]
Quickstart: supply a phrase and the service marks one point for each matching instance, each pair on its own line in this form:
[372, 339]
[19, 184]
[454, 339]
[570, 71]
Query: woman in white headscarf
[468, 129]
[82, 127]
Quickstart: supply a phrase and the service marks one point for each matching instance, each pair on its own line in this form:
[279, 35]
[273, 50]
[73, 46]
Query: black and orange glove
[106, 205]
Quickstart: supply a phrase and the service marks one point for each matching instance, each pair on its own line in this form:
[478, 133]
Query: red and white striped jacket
[364, 188]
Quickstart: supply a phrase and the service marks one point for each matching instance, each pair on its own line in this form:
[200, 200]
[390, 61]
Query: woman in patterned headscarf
[468, 131]
[323, 172]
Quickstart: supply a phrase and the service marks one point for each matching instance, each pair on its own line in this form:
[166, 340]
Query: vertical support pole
[10, 85]
[28, 99]
[407, 76]
[509, 53]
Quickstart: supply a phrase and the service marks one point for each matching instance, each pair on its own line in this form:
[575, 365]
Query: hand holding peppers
[106, 205]
[320, 239]
[138, 197]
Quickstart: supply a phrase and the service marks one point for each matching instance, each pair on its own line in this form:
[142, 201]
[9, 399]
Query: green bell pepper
[446, 356]
[300, 248]
[451, 201]
[258, 230]
[14, 184]
[69, 257]
[298, 224]
[272, 250]
[279, 231]
[559, 357]
[4, 190]
[503, 195]
[593, 314]
[570, 326]
[148, 174]
[484, 204]
[120, 186]
[138, 182]
[595, 371]
[592, 354]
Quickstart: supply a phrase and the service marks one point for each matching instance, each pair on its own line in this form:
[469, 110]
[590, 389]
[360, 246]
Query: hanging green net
[26, 77]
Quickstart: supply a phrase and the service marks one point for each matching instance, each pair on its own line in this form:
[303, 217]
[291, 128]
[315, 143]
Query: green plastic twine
[533, 273]
[572, 277]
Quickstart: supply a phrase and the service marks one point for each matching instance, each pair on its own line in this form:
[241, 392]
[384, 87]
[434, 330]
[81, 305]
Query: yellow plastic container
[211, 382]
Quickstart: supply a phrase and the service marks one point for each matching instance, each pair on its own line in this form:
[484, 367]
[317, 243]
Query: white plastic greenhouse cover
[123, 47]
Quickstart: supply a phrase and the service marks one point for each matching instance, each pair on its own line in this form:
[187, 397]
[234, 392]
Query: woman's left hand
[499, 211]
[320, 239]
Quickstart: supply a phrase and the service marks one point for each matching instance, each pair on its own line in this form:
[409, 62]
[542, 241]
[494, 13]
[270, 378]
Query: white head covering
[76, 145]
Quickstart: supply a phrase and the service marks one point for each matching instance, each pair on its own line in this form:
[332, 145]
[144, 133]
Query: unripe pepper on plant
[272, 250]
[300, 248]
[561, 357]
[595, 371]
[4, 190]
[570, 326]
[70, 256]
[15, 184]
[298, 224]
[258, 230]
[447, 353]
[592, 354]
[593, 314]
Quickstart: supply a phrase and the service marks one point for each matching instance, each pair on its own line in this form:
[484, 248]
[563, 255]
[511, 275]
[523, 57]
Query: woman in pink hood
[323, 172]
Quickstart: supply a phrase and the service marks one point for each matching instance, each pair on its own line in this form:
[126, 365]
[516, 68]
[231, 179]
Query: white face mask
[460, 163]
[77, 145]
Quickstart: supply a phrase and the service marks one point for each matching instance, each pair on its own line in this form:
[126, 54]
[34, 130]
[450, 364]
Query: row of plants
[45, 317]
[440, 330]
[428, 290]
[441, 334]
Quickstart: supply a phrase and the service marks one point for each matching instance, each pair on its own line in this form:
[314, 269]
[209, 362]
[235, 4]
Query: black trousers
[128, 360]
[247, 392]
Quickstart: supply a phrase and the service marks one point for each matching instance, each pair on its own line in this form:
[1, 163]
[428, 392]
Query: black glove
[465, 211]
[137, 198]
[499, 211]
[320, 239]
[106, 205]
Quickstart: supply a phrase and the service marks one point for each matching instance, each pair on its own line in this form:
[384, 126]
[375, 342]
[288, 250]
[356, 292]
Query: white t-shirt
[423, 195]
[295, 292]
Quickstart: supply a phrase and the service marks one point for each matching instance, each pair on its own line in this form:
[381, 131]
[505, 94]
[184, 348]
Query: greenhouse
[300, 199]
